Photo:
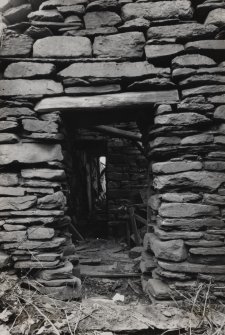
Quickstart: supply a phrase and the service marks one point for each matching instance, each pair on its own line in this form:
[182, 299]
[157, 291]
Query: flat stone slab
[101, 19]
[16, 46]
[206, 46]
[103, 102]
[29, 88]
[184, 31]
[111, 70]
[193, 61]
[40, 233]
[17, 203]
[175, 166]
[49, 174]
[50, 4]
[9, 179]
[29, 153]
[31, 245]
[189, 224]
[162, 51]
[17, 112]
[38, 126]
[178, 210]
[158, 10]
[128, 45]
[62, 46]
[28, 70]
[192, 268]
[191, 179]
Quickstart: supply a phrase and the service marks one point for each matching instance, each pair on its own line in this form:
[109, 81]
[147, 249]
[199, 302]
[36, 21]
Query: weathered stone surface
[65, 292]
[182, 119]
[195, 107]
[56, 200]
[17, 203]
[63, 272]
[50, 4]
[139, 24]
[158, 289]
[197, 139]
[75, 19]
[101, 19]
[8, 138]
[49, 174]
[4, 259]
[177, 235]
[214, 199]
[126, 45]
[12, 236]
[16, 46]
[189, 224]
[45, 137]
[148, 84]
[86, 90]
[217, 99]
[111, 70]
[9, 179]
[158, 10]
[29, 153]
[116, 101]
[38, 32]
[180, 197]
[187, 31]
[168, 250]
[62, 46]
[40, 233]
[6, 112]
[176, 166]
[172, 275]
[73, 10]
[187, 267]
[35, 264]
[216, 17]
[177, 210]
[38, 126]
[100, 5]
[11, 227]
[205, 90]
[201, 80]
[30, 245]
[46, 257]
[162, 51]
[8, 125]
[93, 32]
[208, 251]
[191, 179]
[164, 141]
[18, 14]
[29, 70]
[12, 191]
[192, 61]
[204, 243]
[219, 113]
[206, 46]
[29, 88]
[51, 15]
[215, 165]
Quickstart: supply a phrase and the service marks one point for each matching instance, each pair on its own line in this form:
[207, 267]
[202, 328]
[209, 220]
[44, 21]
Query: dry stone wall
[54, 55]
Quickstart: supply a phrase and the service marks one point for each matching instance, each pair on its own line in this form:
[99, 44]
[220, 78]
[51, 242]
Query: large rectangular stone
[192, 268]
[178, 210]
[62, 46]
[29, 153]
[17, 203]
[128, 45]
[112, 70]
[29, 88]
[158, 10]
[191, 179]
[16, 46]
[105, 102]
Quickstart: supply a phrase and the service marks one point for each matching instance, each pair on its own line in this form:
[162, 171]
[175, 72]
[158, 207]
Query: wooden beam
[119, 132]
[111, 102]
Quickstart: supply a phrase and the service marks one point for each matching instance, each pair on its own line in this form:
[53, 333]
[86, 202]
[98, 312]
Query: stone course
[163, 57]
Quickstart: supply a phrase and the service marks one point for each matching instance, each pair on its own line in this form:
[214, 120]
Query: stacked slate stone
[55, 51]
